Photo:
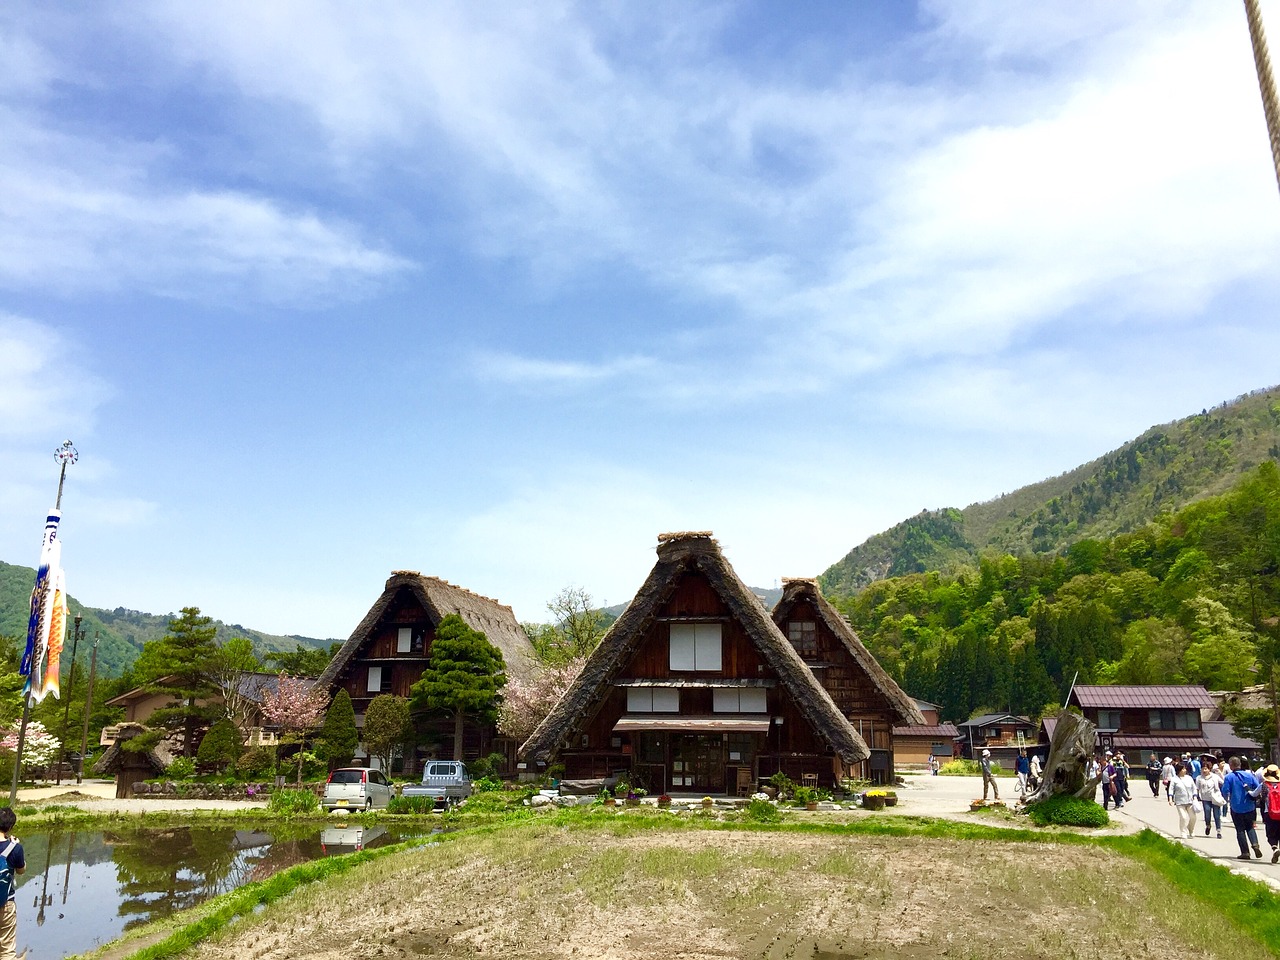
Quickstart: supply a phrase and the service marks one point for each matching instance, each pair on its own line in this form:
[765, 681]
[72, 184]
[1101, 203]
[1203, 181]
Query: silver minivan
[356, 788]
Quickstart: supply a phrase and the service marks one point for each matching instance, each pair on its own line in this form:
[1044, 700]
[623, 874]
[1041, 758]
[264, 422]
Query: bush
[293, 801]
[221, 746]
[411, 805]
[761, 811]
[486, 767]
[258, 763]
[783, 784]
[486, 785]
[182, 768]
[1067, 811]
[966, 768]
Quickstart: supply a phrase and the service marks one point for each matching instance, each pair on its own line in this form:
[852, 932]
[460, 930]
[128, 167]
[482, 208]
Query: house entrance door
[697, 762]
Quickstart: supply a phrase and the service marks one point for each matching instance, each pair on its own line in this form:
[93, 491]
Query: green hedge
[1067, 811]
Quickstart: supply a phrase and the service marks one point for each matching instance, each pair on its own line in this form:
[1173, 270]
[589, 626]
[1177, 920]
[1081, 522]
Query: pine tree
[336, 742]
[180, 665]
[464, 676]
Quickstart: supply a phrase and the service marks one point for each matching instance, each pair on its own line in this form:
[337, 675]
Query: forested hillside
[1191, 597]
[1164, 469]
[122, 632]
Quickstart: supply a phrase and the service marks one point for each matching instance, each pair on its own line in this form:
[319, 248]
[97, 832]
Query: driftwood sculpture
[1070, 751]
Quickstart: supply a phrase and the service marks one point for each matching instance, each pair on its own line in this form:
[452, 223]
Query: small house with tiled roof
[391, 647]
[1160, 719]
[695, 689]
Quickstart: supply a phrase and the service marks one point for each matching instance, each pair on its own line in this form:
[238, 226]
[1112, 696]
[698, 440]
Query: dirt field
[548, 892]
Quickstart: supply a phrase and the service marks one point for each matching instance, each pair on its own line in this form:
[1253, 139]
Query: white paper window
[653, 700]
[746, 700]
[404, 639]
[375, 679]
[695, 646]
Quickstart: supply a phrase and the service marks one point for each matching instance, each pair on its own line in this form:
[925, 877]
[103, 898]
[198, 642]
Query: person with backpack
[1269, 800]
[1240, 788]
[12, 862]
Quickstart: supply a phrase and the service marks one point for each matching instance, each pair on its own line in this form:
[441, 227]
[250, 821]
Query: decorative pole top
[66, 453]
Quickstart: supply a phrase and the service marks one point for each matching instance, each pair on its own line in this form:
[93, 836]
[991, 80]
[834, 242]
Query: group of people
[1112, 773]
[1214, 785]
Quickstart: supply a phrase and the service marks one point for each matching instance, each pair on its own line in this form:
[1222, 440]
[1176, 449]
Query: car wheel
[368, 805]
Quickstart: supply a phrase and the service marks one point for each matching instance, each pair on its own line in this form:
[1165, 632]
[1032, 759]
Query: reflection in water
[92, 886]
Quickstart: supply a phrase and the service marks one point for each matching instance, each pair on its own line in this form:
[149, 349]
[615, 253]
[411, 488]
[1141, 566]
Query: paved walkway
[949, 797]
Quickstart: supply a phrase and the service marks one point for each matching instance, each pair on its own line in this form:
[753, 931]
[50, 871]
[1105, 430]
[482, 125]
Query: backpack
[1271, 803]
[6, 873]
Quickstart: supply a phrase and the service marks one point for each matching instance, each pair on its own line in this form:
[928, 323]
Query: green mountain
[1166, 468]
[121, 632]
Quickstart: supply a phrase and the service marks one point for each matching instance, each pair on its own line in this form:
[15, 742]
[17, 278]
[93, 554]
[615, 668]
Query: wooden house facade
[391, 647]
[860, 688]
[695, 690]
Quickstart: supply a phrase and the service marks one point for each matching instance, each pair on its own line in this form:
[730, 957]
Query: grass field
[649, 889]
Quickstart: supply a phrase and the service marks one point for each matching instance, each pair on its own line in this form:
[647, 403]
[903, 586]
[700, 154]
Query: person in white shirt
[1182, 793]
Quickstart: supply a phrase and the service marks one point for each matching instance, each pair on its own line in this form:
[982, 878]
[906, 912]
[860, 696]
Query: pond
[84, 888]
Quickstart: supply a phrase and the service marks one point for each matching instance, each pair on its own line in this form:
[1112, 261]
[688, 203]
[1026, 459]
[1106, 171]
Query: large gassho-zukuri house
[696, 689]
[391, 647]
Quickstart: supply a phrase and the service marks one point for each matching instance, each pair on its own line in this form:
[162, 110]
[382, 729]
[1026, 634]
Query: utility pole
[88, 707]
[66, 703]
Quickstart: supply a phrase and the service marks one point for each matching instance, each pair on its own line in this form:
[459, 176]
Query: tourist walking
[1269, 802]
[988, 778]
[934, 764]
[12, 862]
[1183, 794]
[1106, 775]
[1153, 774]
[1022, 767]
[1240, 787]
[1121, 780]
[1166, 775]
[1209, 790]
[1034, 779]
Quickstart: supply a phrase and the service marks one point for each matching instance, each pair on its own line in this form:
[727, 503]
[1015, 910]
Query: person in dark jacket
[1153, 774]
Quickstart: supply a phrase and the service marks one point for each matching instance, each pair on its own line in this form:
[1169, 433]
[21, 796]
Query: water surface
[84, 888]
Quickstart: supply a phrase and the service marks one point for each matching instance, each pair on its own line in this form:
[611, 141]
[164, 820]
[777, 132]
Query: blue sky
[499, 293]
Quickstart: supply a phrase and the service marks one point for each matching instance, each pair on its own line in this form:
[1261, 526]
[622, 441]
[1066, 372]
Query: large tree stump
[1070, 751]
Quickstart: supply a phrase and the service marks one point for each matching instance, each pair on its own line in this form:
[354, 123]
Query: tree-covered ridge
[1166, 468]
[123, 633]
[1193, 597]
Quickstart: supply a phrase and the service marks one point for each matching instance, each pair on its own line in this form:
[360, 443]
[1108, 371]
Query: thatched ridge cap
[786, 580]
[415, 575]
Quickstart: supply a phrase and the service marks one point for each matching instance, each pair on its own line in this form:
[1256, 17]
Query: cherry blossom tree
[526, 703]
[38, 749]
[295, 706]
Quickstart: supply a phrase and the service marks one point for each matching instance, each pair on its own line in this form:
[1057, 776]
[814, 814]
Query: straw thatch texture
[795, 589]
[678, 553]
[441, 598]
[116, 758]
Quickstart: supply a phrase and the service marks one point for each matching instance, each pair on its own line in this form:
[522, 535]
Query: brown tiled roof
[1220, 736]
[947, 730]
[1151, 697]
[1159, 743]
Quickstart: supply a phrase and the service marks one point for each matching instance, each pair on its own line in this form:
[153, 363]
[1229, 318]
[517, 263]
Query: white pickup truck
[445, 781]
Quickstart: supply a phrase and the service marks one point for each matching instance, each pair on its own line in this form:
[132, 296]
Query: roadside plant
[1067, 811]
[486, 784]
[182, 768]
[411, 805]
[760, 810]
[293, 802]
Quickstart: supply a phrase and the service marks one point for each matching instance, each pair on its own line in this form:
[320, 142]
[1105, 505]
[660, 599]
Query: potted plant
[664, 801]
[874, 799]
[890, 798]
[806, 797]
[706, 803]
[606, 798]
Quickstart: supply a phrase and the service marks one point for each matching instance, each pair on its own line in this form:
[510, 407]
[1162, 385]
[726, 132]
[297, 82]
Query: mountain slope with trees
[123, 633]
[1193, 597]
[1164, 469]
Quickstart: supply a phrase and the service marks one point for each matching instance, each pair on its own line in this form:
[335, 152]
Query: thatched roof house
[389, 649]
[695, 688]
[861, 688]
[131, 766]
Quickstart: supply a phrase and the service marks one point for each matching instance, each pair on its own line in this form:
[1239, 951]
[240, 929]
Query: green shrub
[221, 746]
[965, 768]
[486, 767]
[411, 805]
[293, 801]
[1067, 811]
[486, 785]
[761, 811]
[257, 763]
[783, 784]
[182, 768]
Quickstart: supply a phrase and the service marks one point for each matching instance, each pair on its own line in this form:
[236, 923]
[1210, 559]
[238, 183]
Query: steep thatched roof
[113, 759]
[441, 598]
[679, 553]
[795, 589]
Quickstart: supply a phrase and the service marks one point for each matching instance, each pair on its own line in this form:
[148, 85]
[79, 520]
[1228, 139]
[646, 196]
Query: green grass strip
[224, 909]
